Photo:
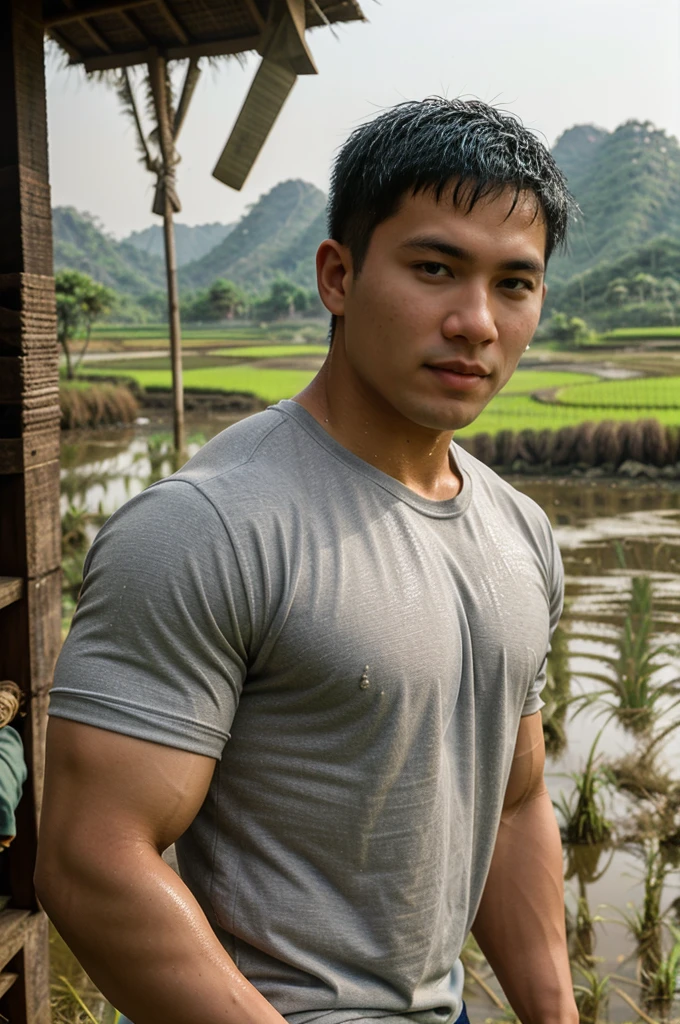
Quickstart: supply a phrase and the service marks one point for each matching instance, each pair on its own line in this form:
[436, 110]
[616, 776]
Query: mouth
[459, 376]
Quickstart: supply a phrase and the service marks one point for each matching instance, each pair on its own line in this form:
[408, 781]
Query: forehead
[499, 218]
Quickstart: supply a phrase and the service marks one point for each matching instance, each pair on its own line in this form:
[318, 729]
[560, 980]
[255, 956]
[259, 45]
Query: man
[313, 657]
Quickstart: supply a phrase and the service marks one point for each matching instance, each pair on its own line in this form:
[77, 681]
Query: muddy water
[608, 533]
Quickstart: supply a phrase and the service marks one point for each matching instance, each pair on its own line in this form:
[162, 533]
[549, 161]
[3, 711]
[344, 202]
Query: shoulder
[514, 508]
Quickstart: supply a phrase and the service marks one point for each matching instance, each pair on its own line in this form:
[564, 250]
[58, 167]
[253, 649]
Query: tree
[80, 301]
[225, 300]
[571, 330]
[284, 299]
[159, 156]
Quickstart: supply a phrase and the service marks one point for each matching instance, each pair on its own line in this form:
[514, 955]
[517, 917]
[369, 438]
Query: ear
[333, 275]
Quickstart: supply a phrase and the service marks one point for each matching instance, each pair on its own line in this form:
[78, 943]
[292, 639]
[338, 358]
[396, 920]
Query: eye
[434, 269]
[516, 284]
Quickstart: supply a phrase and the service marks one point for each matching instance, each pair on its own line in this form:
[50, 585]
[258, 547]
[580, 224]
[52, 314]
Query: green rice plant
[583, 812]
[663, 983]
[556, 693]
[592, 997]
[630, 692]
[645, 923]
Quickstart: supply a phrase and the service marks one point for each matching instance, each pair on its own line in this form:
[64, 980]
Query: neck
[364, 423]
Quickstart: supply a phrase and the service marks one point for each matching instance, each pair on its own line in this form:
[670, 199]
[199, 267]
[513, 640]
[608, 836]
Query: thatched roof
[104, 34]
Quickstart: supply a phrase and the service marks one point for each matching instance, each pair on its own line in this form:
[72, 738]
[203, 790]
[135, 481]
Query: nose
[471, 316]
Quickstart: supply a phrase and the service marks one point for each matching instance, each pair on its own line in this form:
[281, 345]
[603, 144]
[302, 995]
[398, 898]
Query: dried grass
[96, 405]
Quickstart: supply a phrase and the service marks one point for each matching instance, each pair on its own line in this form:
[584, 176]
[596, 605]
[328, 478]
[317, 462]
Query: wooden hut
[99, 34]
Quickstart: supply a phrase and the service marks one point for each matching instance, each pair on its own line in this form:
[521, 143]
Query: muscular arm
[520, 923]
[112, 805]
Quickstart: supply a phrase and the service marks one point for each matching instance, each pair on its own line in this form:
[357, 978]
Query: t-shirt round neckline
[447, 509]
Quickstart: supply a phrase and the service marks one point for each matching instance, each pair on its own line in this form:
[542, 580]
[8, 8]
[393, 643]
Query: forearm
[145, 942]
[520, 924]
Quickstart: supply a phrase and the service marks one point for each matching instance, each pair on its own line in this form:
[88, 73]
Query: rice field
[649, 393]
[270, 385]
[272, 351]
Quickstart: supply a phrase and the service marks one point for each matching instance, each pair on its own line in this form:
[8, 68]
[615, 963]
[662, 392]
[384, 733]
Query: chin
[444, 419]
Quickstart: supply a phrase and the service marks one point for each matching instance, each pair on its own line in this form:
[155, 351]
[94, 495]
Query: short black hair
[430, 145]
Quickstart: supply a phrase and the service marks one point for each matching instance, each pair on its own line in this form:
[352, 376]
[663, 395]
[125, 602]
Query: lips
[460, 367]
[457, 375]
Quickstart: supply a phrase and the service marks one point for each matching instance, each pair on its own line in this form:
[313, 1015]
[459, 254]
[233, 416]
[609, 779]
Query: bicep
[526, 779]
[102, 787]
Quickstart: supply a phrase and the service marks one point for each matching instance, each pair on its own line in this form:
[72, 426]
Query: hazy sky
[554, 63]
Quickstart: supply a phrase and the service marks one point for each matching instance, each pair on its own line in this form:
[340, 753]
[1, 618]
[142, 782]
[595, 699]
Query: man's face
[444, 306]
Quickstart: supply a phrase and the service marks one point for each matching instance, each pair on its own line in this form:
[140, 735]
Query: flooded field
[613, 701]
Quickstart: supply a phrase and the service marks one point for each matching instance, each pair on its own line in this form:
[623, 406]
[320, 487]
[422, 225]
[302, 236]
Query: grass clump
[583, 812]
[83, 404]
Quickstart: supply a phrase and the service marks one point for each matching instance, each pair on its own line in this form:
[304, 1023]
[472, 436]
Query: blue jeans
[463, 1019]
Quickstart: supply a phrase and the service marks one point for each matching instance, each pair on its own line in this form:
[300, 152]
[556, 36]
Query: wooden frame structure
[99, 34]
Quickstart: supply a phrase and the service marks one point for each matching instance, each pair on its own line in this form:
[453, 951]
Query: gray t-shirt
[358, 658]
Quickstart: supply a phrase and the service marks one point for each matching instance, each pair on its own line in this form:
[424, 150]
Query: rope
[10, 701]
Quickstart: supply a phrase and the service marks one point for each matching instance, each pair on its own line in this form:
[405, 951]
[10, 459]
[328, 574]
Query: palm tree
[159, 156]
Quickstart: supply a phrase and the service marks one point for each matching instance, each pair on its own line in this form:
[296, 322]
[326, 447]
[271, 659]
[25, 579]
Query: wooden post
[166, 193]
[30, 541]
[175, 328]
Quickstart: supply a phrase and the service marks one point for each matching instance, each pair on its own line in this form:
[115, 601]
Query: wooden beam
[133, 22]
[173, 21]
[11, 589]
[96, 37]
[29, 497]
[254, 12]
[220, 48]
[93, 10]
[6, 982]
[61, 40]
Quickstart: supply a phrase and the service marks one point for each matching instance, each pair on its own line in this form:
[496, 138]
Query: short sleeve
[159, 641]
[555, 596]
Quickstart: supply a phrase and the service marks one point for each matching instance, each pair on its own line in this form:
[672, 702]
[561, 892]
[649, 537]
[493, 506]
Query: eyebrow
[456, 252]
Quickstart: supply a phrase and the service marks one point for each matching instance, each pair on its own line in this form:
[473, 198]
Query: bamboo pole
[164, 119]
[175, 328]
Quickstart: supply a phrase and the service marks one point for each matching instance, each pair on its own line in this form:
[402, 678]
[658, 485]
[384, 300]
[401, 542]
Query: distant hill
[81, 243]
[191, 242]
[273, 238]
[640, 288]
[627, 183]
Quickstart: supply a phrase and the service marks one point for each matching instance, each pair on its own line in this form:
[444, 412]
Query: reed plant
[583, 811]
[95, 405]
[592, 996]
[556, 693]
[645, 923]
[630, 691]
[663, 983]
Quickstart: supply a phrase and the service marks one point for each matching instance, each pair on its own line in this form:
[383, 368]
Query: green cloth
[13, 774]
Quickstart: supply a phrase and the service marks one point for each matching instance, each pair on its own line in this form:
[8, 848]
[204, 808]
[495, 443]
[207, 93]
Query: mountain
[640, 288]
[80, 243]
[191, 242]
[627, 184]
[272, 238]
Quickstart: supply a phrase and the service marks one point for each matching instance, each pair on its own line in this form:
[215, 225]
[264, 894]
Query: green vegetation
[191, 242]
[641, 333]
[272, 351]
[270, 385]
[632, 693]
[646, 393]
[265, 244]
[80, 301]
[583, 812]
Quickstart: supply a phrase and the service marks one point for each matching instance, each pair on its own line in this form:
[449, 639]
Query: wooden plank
[218, 48]
[173, 21]
[14, 927]
[255, 14]
[93, 10]
[27, 1001]
[6, 982]
[11, 590]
